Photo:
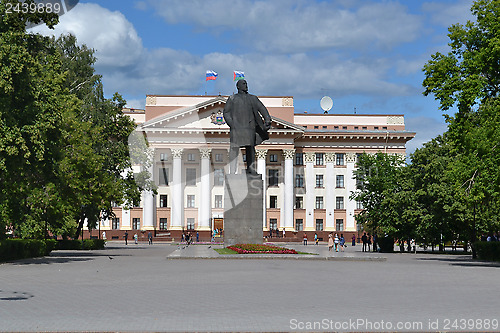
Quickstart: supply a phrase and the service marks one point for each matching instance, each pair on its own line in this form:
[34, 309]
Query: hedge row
[88, 244]
[13, 249]
[488, 250]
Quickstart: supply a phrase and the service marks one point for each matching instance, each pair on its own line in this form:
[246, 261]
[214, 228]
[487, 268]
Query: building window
[190, 223]
[299, 158]
[273, 201]
[190, 157]
[163, 157]
[163, 200]
[299, 224]
[272, 177]
[163, 223]
[356, 127]
[218, 158]
[385, 127]
[319, 202]
[340, 181]
[320, 157]
[190, 201]
[365, 127]
[339, 225]
[218, 201]
[339, 159]
[339, 203]
[163, 178]
[359, 205]
[273, 158]
[115, 223]
[299, 180]
[375, 127]
[344, 127]
[319, 180]
[319, 224]
[335, 127]
[324, 127]
[136, 223]
[299, 202]
[190, 176]
[273, 223]
[316, 127]
[218, 177]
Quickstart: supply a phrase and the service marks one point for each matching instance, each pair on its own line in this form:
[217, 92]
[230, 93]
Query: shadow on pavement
[62, 257]
[464, 261]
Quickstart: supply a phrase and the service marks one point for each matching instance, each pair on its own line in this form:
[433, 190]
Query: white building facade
[307, 167]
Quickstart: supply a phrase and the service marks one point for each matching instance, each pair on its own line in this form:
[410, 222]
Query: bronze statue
[243, 113]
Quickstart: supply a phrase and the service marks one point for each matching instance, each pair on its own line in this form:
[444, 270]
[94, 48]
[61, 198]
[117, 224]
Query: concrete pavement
[137, 288]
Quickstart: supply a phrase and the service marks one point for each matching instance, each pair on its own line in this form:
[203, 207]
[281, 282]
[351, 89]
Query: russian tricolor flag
[238, 75]
[211, 75]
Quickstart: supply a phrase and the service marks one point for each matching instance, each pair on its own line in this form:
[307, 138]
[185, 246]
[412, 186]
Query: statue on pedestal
[249, 122]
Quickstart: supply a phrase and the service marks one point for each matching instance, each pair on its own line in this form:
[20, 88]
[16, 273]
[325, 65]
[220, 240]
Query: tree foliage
[63, 145]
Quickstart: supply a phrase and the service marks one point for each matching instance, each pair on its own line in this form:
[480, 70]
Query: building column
[288, 195]
[261, 169]
[310, 184]
[205, 197]
[149, 207]
[330, 195]
[177, 191]
[350, 185]
[126, 220]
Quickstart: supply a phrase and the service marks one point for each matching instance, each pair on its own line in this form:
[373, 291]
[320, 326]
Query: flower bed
[258, 248]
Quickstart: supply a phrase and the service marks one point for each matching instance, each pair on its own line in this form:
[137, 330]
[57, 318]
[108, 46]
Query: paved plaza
[164, 287]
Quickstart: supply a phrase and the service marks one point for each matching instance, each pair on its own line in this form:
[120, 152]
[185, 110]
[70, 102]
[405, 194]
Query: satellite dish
[326, 103]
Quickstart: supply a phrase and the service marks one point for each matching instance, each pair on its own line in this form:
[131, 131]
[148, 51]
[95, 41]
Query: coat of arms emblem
[217, 118]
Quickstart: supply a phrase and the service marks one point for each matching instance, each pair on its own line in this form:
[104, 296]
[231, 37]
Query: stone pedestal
[243, 198]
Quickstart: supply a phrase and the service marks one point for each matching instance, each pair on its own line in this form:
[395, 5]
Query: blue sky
[365, 55]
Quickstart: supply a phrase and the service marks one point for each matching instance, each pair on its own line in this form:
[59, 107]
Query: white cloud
[446, 14]
[426, 128]
[112, 36]
[300, 25]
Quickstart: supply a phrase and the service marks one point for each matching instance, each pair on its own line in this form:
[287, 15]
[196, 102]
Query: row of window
[299, 224]
[273, 202]
[345, 127]
[272, 178]
[191, 157]
[273, 224]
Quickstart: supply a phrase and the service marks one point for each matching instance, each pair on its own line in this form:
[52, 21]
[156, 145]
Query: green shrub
[13, 249]
[488, 250]
[386, 244]
[88, 244]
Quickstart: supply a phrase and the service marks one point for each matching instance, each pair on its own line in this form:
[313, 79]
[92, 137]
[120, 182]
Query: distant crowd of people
[491, 237]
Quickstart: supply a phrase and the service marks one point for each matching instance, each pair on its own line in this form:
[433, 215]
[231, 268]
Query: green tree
[469, 77]
[385, 193]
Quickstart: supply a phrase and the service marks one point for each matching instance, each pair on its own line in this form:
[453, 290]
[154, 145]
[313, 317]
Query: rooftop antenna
[326, 104]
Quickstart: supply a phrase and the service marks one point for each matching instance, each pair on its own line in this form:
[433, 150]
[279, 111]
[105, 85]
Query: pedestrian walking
[316, 239]
[353, 240]
[197, 237]
[150, 238]
[104, 235]
[126, 238]
[305, 238]
[342, 242]
[364, 239]
[136, 238]
[369, 242]
[330, 242]
[336, 242]
[283, 233]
